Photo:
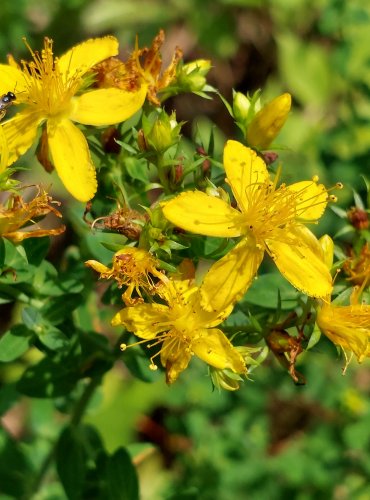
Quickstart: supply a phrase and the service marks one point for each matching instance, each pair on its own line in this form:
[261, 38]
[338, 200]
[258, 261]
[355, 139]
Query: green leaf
[32, 318]
[15, 469]
[137, 169]
[59, 308]
[314, 339]
[121, 482]
[8, 396]
[36, 249]
[71, 462]
[15, 342]
[2, 252]
[50, 377]
[53, 338]
[264, 292]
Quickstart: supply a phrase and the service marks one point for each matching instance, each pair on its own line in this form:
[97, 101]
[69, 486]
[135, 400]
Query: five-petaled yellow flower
[183, 329]
[268, 219]
[52, 92]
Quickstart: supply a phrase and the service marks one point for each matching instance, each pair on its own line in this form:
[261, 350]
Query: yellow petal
[229, 278]
[82, 57]
[311, 199]
[203, 214]
[107, 106]
[145, 320]
[299, 258]
[213, 347]
[245, 172]
[98, 266]
[71, 158]
[175, 357]
[11, 79]
[19, 133]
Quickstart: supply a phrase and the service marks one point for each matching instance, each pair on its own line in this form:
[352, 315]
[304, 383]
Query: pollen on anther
[339, 185]
[153, 367]
[315, 178]
[123, 347]
[333, 198]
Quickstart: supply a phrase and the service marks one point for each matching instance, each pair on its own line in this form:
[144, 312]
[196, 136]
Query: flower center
[272, 209]
[49, 91]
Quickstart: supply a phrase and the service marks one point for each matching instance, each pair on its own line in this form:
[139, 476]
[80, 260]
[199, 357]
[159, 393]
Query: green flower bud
[241, 107]
[192, 76]
[164, 133]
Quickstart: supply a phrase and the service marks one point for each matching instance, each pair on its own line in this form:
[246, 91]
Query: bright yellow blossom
[183, 329]
[17, 215]
[269, 219]
[52, 91]
[132, 267]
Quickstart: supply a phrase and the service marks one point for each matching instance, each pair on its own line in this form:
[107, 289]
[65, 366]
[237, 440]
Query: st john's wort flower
[181, 328]
[268, 219]
[52, 93]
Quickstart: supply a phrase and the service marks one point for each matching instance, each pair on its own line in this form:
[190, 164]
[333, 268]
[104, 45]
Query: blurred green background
[271, 439]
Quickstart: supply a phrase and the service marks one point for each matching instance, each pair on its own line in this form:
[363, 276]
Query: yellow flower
[346, 326]
[269, 219]
[53, 91]
[143, 68]
[183, 329]
[268, 122]
[19, 213]
[132, 268]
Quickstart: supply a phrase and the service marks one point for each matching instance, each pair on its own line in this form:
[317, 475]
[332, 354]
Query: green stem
[162, 173]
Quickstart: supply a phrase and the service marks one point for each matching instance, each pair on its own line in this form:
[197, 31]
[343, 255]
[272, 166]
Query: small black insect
[6, 100]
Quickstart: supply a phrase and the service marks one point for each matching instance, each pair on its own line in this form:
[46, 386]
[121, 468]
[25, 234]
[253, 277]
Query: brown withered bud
[42, 152]
[141, 141]
[206, 165]
[358, 218]
[178, 173]
[286, 350]
[109, 140]
[270, 157]
[123, 221]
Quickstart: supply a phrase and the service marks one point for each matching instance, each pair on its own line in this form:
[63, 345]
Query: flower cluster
[175, 202]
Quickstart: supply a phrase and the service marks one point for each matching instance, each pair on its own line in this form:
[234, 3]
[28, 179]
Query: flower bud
[241, 107]
[327, 246]
[164, 133]
[192, 76]
[267, 123]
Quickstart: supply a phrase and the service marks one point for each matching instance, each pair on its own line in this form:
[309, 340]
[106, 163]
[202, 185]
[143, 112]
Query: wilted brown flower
[17, 215]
